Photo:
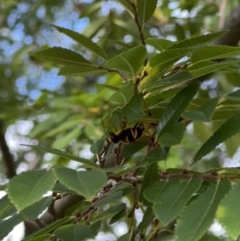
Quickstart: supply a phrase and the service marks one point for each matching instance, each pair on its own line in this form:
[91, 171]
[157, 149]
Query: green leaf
[148, 217]
[204, 113]
[214, 52]
[228, 212]
[110, 212]
[228, 129]
[66, 155]
[62, 127]
[159, 44]
[49, 228]
[85, 41]
[224, 114]
[7, 225]
[6, 208]
[177, 77]
[37, 208]
[95, 227]
[129, 61]
[29, 187]
[179, 195]
[155, 155]
[116, 217]
[80, 69]
[206, 67]
[97, 146]
[126, 5]
[134, 109]
[201, 131]
[85, 183]
[195, 71]
[97, 24]
[175, 108]
[173, 136]
[60, 188]
[150, 176]
[232, 145]
[73, 232]
[146, 9]
[109, 198]
[157, 71]
[56, 119]
[168, 56]
[124, 95]
[199, 214]
[125, 237]
[234, 95]
[43, 237]
[62, 56]
[64, 140]
[155, 190]
[197, 41]
[123, 186]
[133, 148]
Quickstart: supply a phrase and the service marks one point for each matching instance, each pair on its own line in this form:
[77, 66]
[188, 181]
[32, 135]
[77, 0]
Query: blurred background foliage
[64, 112]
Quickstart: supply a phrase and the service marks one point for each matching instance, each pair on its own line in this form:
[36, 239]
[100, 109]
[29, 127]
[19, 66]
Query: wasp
[128, 135]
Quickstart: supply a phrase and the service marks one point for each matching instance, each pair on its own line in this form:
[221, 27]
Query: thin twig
[139, 26]
[183, 175]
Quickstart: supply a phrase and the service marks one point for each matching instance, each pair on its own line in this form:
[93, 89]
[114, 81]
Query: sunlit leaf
[228, 212]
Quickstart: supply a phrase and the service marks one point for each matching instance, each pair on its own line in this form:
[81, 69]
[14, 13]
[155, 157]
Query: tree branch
[7, 156]
[232, 37]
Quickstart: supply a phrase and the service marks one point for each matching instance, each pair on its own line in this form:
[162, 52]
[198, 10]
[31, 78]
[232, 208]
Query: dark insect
[128, 135]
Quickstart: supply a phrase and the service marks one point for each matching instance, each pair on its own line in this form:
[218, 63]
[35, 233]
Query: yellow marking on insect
[117, 132]
[134, 133]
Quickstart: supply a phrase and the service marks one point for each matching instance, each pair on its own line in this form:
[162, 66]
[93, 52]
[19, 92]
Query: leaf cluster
[164, 90]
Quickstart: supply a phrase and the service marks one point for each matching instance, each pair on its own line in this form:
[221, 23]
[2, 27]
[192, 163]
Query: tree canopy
[120, 115]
